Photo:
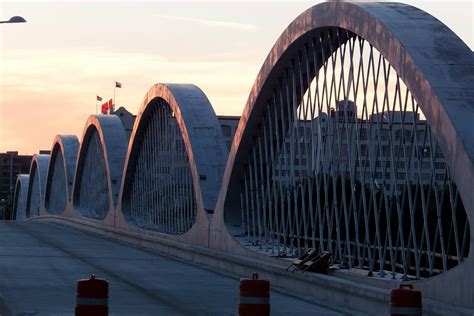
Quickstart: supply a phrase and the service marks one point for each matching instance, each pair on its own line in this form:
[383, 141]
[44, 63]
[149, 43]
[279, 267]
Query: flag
[118, 84]
[104, 108]
[99, 98]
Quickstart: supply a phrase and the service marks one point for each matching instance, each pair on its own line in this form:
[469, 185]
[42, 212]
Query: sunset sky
[53, 66]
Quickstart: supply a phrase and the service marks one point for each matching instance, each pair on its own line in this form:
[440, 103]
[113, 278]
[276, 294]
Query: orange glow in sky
[53, 66]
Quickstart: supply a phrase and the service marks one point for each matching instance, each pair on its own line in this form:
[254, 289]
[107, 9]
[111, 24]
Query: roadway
[41, 262]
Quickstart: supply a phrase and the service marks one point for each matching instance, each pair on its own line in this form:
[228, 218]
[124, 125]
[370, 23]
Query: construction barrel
[254, 297]
[405, 301]
[92, 297]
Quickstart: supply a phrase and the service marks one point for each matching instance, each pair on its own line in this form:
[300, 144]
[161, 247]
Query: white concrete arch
[21, 193]
[36, 185]
[59, 181]
[204, 148]
[99, 167]
[437, 68]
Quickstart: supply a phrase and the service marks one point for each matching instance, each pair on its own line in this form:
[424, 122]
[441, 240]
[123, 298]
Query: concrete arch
[60, 176]
[204, 146]
[436, 66]
[36, 185]
[21, 193]
[106, 135]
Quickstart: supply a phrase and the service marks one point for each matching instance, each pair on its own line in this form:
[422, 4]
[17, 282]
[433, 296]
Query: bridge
[356, 139]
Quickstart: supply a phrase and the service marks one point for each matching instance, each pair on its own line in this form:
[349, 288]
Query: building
[11, 164]
[127, 118]
[391, 150]
[229, 126]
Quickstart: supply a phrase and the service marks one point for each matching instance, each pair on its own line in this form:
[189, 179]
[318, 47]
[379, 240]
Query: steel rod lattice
[344, 161]
[92, 196]
[160, 196]
[56, 195]
[34, 194]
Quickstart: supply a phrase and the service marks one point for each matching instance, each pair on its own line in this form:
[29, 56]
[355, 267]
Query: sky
[53, 66]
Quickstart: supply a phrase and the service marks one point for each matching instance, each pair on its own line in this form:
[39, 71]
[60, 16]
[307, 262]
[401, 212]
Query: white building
[229, 126]
[393, 148]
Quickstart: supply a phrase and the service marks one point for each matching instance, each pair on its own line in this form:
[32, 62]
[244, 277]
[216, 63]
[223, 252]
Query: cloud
[44, 92]
[214, 23]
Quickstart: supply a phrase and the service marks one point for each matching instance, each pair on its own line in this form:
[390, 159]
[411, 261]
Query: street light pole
[15, 19]
[10, 200]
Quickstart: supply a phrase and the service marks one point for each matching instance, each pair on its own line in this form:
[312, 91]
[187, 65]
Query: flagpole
[113, 103]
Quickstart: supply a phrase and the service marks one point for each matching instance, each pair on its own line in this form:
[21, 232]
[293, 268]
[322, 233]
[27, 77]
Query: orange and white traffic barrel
[405, 301]
[92, 297]
[254, 296]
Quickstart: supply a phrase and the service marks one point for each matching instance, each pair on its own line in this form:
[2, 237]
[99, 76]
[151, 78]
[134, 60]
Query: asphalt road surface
[41, 262]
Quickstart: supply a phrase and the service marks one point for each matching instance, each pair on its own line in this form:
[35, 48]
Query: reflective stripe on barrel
[91, 301]
[254, 300]
[405, 311]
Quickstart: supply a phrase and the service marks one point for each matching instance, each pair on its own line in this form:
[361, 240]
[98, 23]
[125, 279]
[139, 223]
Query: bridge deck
[40, 263]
